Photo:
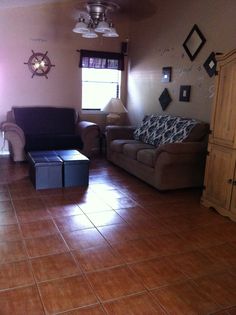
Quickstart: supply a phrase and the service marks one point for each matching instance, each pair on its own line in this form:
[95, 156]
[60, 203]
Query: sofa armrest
[119, 132]
[16, 139]
[89, 133]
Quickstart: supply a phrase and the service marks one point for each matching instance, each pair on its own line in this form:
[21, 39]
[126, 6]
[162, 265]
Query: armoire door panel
[224, 130]
[219, 176]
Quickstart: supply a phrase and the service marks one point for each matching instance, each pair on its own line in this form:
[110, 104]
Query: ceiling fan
[94, 16]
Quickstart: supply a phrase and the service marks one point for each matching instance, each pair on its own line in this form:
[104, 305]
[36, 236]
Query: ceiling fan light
[90, 34]
[102, 27]
[80, 27]
[111, 33]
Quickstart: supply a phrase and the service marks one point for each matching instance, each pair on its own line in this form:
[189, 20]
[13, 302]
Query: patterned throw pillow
[176, 131]
[161, 129]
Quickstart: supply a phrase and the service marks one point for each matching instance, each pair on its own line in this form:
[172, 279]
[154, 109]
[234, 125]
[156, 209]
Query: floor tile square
[46, 245]
[12, 251]
[64, 209]
[97, 258]
[23, 193]
[220, 287]
[84, 239]
[169, 244]
[157, 272]
[195, 264]
[118, 233]
[73, 223]
[54, 266]
[184, 298]
[6, 206]
[66, 294]
[21, 301]
[30, 215]
[15, 274]
[7, 217]
[94, 206]
[120, 203]
[10, 232]
[113, 283]
[4, 196]
[105, 218]
[139, 304]
[202, 236]
[38, 228]
[135, 250]
[90, 310]
[29, 203]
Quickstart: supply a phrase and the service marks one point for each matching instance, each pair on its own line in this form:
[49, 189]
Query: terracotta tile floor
[118, 247]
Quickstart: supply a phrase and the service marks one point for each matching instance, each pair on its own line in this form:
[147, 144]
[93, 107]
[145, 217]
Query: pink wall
[44, 28]
[156, 42]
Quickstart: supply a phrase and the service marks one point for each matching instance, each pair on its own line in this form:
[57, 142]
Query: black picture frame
[210, 64]
[194, 42]
[184, 93]
[166, 74]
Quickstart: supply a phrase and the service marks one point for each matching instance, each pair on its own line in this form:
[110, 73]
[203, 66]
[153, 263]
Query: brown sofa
[168, 166]
[47, 128]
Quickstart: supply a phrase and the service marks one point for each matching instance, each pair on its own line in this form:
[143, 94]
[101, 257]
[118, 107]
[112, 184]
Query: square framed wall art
[166, 74]
[184, 93]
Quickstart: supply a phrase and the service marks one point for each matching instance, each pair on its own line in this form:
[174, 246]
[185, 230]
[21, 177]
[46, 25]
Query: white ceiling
[5, 4]
[136, 9]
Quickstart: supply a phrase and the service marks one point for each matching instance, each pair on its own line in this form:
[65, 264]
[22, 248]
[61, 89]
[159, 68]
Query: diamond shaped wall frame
[165, 99]
[210, 64]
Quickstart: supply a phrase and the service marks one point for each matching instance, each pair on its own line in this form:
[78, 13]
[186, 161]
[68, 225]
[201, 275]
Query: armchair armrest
[16, 139]
[12, 127]
[89, 133]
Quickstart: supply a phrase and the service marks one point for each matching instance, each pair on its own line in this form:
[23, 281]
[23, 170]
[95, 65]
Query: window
[99, 86]
[101, 77]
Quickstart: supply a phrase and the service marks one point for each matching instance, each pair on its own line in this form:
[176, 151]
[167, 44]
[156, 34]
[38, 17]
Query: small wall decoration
[166, 74]
[184, 93]
[210, 64]
[194, 42]
[39, 64]
[165, 99]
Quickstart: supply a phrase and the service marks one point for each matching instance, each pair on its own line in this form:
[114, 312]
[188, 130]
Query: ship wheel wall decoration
[39, 64]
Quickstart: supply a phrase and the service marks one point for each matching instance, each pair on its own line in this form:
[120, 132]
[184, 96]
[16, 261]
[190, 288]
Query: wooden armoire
[220, 173]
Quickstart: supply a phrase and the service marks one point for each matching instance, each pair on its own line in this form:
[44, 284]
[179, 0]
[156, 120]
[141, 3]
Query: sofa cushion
[158, 129]
[147, 157]
[52, 142]
[45, 120]
[117, 145]
[131, 149]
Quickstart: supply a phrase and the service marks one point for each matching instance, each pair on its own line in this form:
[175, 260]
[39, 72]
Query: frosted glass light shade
[90, 34]
[111, 33]
[102, 27]
[80, 27]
